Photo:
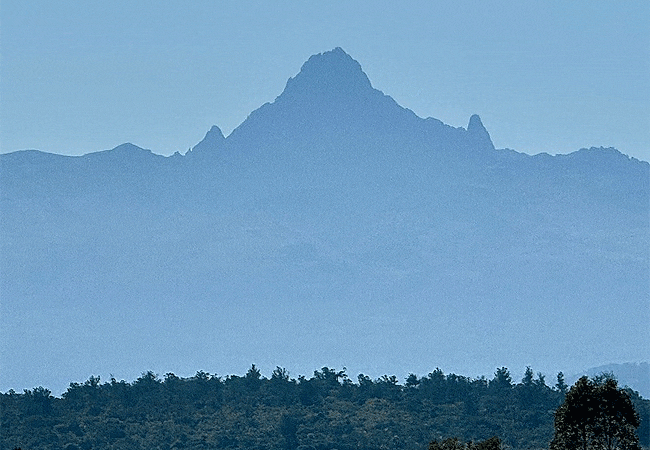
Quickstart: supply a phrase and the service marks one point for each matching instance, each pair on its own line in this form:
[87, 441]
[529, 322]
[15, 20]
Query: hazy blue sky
[552, 76]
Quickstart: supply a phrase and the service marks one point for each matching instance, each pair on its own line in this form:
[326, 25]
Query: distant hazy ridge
[332, 227]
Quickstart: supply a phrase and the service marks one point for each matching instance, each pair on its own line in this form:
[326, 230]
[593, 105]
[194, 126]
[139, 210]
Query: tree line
[324, 412]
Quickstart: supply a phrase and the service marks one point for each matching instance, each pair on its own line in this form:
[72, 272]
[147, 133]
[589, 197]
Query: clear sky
[552, 76]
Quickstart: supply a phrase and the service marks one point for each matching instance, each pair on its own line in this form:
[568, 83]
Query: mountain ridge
[319, 231]
[345, 75]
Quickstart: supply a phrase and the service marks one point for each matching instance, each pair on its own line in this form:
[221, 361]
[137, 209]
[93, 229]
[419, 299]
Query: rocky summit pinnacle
[212, 141]
[329, 73]
[478, 132]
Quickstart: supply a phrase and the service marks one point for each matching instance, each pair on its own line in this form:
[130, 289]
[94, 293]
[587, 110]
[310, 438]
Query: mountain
[332, 227]
[633, 375]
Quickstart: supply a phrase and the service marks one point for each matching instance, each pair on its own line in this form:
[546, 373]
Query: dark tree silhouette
[502, 379]
[561, 385]
[596, 414]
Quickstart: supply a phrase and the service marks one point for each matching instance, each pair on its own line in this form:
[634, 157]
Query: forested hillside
[326, 411]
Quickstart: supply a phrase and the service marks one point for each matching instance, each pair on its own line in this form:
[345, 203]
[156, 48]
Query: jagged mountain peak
[330, 94]
[328, 73]
[475, 124]
[479, 133]
[212, 141]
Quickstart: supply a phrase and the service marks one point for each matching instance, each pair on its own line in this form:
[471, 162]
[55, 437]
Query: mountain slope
[331, 227]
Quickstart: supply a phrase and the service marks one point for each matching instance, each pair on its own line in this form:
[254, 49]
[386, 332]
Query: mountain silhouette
[332, 227]
[332, 75]
[211, 143]
[478, 133]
